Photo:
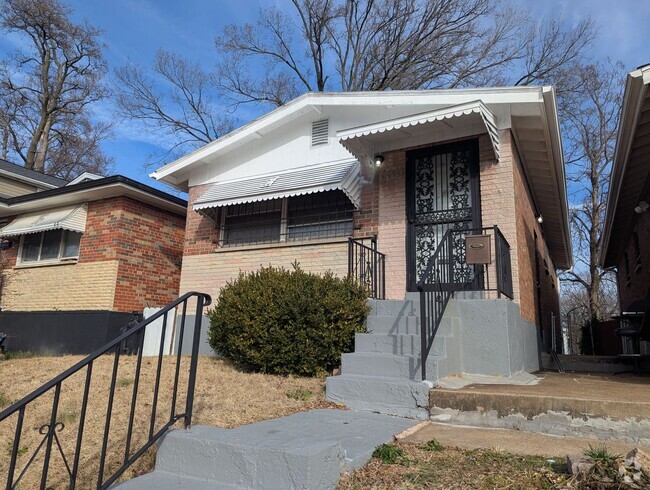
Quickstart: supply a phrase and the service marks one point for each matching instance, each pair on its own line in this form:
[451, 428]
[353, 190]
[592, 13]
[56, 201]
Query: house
[407, 167]
[79, 259]
[626, 234]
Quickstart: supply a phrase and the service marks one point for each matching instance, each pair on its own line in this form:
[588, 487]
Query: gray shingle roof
[21, 171]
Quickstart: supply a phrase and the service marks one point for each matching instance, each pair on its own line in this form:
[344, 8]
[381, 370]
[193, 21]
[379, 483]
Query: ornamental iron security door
[442, 192]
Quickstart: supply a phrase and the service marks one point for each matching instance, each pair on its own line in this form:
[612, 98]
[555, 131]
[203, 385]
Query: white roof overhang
[176, 173]
[342, 175]
[365, 141]
[71, 218]
[630, 175]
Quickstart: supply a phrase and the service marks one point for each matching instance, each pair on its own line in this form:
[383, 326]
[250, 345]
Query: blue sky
[135, 29]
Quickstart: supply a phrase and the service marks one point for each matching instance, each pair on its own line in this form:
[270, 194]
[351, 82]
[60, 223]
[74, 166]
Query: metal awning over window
[364, 141]
[71, 218]
[344, 176]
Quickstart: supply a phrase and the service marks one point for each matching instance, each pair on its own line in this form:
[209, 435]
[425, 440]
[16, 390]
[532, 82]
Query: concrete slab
[512, 441]
[601, 407]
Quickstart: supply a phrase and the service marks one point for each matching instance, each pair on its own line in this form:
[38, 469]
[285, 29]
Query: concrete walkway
[301, 451]
[512, 441]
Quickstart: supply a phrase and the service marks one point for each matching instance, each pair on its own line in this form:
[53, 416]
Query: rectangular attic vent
[319, 132]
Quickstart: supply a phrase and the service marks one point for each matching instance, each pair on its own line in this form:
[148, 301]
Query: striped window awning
[344, 176]
[71, 218]
[363, 141]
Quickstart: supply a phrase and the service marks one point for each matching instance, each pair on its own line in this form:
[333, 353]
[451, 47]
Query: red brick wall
[148, 242]
[534, 307]
[201, 232]
[639, 284]
[145, 242]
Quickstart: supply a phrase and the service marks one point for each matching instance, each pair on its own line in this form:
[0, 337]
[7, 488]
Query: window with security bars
[311, 216]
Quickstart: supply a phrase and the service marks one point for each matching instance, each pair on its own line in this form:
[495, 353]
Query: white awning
[363, 141]
[71, 218]
[344, 176]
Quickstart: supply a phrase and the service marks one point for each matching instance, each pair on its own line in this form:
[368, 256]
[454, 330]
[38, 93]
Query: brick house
[406, 166]
[79, 260]
[626, 235]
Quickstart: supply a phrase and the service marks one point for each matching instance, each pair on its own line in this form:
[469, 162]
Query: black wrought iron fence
[367, 266]
[53, 446]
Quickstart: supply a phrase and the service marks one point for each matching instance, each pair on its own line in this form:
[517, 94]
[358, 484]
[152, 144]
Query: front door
[442, 193]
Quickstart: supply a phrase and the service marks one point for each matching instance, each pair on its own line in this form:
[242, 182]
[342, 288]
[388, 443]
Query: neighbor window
[320, 215]
[50, 246]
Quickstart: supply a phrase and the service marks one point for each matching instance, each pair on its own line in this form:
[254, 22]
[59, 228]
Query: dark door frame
[475, 190]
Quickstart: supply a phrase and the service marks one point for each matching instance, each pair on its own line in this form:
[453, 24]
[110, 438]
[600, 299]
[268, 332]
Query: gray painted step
[160, 480]
[408, 345]
[393, 307]
[387, 365]
[395, 396]
[405, 325]
[302, 451]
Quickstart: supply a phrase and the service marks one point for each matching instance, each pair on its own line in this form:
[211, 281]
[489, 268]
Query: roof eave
[635, 92]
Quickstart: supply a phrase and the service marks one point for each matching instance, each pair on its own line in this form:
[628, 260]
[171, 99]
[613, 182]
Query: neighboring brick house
[626, 236]
[81, 259]
[295, 184]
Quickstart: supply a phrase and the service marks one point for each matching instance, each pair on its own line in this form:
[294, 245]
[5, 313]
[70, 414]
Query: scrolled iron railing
[367, 266]
[52, 443]
[447, 272]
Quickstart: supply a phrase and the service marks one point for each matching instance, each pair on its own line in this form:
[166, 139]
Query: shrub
[283, 321]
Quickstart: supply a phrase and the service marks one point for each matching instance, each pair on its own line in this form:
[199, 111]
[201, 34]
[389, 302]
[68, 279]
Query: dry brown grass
[453, 468]
[224, 397]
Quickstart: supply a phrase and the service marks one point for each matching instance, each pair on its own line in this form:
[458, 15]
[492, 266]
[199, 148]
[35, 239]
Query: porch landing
[598, 406]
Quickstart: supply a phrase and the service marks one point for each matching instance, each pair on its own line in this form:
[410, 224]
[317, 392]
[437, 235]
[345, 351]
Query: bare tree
[47, 89]
[590, 127]
[185, 108]
[354, 45]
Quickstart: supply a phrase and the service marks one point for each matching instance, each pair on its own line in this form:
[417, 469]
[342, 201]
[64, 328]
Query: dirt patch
[224, 397]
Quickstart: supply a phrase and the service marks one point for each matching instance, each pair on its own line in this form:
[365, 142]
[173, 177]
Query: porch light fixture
[379, 159]
[540, 219]
[642, 207]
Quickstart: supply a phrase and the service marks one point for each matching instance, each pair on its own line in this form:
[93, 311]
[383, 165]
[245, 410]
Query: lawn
[431, 466]
[224, 397]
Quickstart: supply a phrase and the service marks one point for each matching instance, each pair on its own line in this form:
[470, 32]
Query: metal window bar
[52, 430]
[367, 266]
[441, 278]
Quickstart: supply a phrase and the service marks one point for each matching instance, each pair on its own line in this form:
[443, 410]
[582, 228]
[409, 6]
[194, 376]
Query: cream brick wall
[392, 222]
[207, 273]
[81, 286]
[498, 196]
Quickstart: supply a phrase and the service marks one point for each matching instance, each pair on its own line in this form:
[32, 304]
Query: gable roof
[18, 172]
[530, 113]
[630, 175]
[91, 190]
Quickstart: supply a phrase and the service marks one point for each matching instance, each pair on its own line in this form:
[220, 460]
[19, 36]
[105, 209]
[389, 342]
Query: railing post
[350, 259]
[497, 259]
[194, 360]
[375, 263]
[423, 331]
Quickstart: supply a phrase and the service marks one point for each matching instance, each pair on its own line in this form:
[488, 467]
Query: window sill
[46, 264]
[293, 243]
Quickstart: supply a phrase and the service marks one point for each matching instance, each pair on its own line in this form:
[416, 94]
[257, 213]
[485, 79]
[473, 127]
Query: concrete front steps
[306, 450]
[384, 373]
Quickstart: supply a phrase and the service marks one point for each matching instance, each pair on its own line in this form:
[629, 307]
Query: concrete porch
[598, 406]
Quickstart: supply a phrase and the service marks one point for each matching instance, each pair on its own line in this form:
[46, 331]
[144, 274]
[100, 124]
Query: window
[50, 246]
[321, 215]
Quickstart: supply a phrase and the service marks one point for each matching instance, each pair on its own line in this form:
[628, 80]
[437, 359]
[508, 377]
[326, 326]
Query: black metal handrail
[446, 273]
[367, 266]
[119, 345]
